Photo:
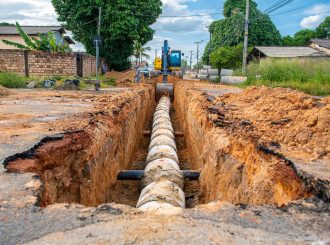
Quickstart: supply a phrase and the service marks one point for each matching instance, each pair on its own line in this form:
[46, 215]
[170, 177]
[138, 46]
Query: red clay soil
[122, 78]
[225, 145]
[82, 167]
[4, 91]
[294, 123]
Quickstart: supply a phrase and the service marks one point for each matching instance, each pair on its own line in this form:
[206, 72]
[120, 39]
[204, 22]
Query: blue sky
[181, 32]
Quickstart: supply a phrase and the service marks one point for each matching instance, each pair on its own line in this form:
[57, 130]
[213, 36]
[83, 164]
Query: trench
[82, 167]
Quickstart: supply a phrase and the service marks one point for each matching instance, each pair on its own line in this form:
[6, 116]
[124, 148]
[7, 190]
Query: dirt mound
[125, 78]
[4, 91]
[295, 123]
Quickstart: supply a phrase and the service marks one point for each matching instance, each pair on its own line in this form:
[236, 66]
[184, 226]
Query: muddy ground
[263, 155]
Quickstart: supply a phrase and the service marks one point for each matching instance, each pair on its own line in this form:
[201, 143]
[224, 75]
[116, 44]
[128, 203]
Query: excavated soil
[262, 180]
[81, 166]
[123, 79]
[4, 91]
[231, 139]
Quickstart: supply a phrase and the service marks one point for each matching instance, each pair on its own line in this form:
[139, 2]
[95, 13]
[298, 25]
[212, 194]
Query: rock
[71, 85]
[31, 85]
[108, 209]
[49, 83]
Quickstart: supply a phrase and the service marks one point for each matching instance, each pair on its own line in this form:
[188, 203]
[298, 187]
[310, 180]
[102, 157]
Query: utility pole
[246, 38]
[198, 43]
[210, 45]
[98, 42]
[191, 54]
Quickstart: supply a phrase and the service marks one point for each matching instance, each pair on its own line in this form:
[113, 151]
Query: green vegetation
[323, 30]
[309, 76]
[302, 37]
[123, 22]
[11, 80]
[229, 32]
[227, 57]
[140, 52]
[6, 24]
[44, 43]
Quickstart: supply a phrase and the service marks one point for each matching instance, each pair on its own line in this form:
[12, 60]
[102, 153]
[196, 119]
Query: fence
[38, 63]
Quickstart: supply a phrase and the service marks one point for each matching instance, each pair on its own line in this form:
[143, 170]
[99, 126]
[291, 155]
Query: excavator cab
[170, 61]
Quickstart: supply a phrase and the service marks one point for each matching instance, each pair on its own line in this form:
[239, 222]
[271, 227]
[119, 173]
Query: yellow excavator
[169, 62]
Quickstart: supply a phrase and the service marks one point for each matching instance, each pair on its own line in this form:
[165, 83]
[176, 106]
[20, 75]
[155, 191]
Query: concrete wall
[37, 63]
[17, 38]
[13, 38]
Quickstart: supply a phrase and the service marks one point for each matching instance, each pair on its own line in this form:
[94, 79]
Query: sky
[181, 32]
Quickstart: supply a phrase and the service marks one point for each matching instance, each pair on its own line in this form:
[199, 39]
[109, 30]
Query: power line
[299, 8]
[277, 6]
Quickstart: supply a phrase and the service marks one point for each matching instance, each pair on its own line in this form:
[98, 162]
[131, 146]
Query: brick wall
[37, 63]
[12, 61]
[42, 63]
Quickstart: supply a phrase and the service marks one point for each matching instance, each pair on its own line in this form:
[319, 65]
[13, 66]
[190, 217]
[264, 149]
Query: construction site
[112, 145]
[228, 165]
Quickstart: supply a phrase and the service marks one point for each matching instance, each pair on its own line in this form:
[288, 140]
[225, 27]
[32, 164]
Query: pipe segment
[163, 180]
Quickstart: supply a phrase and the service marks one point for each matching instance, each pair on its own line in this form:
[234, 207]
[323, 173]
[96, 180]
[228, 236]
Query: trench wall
[232, 168]
[82, 167]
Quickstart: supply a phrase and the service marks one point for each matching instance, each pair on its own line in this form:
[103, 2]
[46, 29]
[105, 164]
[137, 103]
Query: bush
[309, 76]
[11, 80]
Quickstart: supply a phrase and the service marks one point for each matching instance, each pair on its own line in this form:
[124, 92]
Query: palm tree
[140, 52]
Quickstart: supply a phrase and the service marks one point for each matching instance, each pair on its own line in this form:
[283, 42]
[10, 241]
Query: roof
[288, 52]
[325, 43]
[69, 40]
[30, 30]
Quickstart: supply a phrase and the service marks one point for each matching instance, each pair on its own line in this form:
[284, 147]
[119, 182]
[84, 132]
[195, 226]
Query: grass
[309, 76]
[11, 80]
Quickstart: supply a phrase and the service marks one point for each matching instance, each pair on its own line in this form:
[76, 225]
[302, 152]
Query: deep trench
[71, 174]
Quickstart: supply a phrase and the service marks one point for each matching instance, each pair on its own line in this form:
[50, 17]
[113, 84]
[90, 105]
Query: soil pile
[4, 91]
[294, 123]
[122, 78]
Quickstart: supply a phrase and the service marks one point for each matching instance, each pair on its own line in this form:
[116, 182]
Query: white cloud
[318, 9]
[186, 24]
[316, 15]
[311, 21]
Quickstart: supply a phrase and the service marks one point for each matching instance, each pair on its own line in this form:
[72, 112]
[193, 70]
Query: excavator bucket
[164, 89]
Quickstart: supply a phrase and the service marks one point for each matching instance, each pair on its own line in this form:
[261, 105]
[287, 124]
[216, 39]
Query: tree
[6, 24]
[230, 30]
[288, 41]
[301, 38]
[123, 22]
[140, 52]
[323, 30]
[227, 57]
[44, 43]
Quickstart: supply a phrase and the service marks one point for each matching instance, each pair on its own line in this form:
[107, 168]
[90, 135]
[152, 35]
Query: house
[10, 33]
[320, 44]
[260, 52]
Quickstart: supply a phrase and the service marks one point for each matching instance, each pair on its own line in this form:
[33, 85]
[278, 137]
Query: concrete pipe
[162, 140]
[163, 169]
[163, 181]
[163, 193]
